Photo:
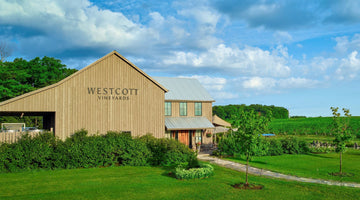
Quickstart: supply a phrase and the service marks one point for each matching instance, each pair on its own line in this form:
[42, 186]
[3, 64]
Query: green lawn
[154, 183]
[311, 165]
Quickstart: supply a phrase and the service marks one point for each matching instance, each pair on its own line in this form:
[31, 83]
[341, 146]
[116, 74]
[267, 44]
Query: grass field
[311, 165]
[154, 183]
[308, 126]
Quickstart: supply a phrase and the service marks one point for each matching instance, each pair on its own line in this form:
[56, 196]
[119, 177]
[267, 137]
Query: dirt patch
[243, 186]
[344, 174]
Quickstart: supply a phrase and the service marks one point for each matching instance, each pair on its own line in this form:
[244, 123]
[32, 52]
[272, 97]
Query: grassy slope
[311, 165]
[153, 183]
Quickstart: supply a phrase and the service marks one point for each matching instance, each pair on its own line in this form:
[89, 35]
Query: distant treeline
[230, 112]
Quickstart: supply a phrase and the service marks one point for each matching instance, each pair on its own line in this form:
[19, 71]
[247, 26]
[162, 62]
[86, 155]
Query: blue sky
[302, 55]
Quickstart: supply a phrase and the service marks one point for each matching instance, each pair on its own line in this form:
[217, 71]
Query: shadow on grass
[319, 155]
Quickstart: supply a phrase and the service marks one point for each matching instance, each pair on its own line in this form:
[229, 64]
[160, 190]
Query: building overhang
[187, 123]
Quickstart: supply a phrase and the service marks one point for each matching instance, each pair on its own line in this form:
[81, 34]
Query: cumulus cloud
[344, 44]
[218, 87]
[249, 60]
[71, 24]
[349, 67]
[272, 84]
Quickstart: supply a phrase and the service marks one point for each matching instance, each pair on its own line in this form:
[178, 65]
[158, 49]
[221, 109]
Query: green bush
[269, 146]
[274, 147]
[321, 149]
[229, 146]
[167, 152]
[292, 145]
[81, 150]
[204, 171]
[28, 153]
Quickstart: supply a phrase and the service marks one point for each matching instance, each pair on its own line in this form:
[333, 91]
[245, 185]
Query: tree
[341, 131]
[250, 127]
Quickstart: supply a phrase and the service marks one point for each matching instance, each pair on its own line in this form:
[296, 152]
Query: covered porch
[191, 131]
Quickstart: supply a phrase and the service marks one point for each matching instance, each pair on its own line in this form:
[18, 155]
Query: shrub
[28, 153]
[83, 151]
[167, 152]
[292, 145]
[229, 146]
[204, 171]
[274, 147]
[321, 149]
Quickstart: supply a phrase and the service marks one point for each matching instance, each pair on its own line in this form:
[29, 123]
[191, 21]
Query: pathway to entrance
[261, 172]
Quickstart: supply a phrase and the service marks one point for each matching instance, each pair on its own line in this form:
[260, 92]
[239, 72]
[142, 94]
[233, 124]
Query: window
[198, 136]
[168, 134]
[167, 108]
[183, 108]
[198, 109]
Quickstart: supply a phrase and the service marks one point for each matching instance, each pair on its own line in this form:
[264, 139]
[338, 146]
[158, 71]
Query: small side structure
[188, 111]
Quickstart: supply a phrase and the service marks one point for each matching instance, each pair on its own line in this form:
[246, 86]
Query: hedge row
[83, 151]
[270, 147]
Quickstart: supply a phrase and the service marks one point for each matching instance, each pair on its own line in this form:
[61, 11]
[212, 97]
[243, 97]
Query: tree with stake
[250, 127]
[341, 131]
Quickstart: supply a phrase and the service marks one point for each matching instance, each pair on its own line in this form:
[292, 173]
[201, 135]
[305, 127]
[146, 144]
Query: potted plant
[208, 135]
[198, 145]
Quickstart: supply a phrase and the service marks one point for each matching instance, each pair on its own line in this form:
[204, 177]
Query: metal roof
[186, 89]
[187, 123]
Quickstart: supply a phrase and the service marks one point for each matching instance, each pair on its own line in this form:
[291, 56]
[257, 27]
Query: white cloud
[344, 45]
[249, 60]
[216, 86]
[76, 23]
[349, 67]
[259, 83]
[275, 85]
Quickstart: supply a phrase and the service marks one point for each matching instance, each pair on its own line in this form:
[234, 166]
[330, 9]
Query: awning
[187, 123]
[220, 122]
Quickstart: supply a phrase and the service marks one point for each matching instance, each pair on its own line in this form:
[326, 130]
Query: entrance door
[183, 137]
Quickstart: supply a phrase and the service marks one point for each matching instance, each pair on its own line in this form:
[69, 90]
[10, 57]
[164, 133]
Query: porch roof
[187, 123]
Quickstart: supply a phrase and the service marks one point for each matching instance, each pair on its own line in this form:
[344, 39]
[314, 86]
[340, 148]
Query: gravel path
[261, 172]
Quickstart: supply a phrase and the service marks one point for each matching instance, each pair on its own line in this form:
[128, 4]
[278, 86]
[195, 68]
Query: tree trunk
[247, 168]
[340, 162]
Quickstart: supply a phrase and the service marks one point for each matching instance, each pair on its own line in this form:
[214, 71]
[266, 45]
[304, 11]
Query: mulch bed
[344, 174]
[243, 186]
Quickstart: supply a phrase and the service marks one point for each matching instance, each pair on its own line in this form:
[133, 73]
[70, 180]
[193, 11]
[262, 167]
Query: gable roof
[185, 89]
[81, 71]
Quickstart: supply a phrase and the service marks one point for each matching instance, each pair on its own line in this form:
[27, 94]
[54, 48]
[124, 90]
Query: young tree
[250, 127]
[341, 131]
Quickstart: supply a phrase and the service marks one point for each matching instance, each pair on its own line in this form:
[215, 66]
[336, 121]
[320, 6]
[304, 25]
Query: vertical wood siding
[75, 108]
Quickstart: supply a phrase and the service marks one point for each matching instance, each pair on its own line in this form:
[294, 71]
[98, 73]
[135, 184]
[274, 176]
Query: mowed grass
[154, 183]
[311, 165]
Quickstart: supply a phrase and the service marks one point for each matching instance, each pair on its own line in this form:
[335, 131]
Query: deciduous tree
[250, 127]
[341, 131]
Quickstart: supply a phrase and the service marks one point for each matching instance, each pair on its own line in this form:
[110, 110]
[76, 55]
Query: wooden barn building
[114, 94]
